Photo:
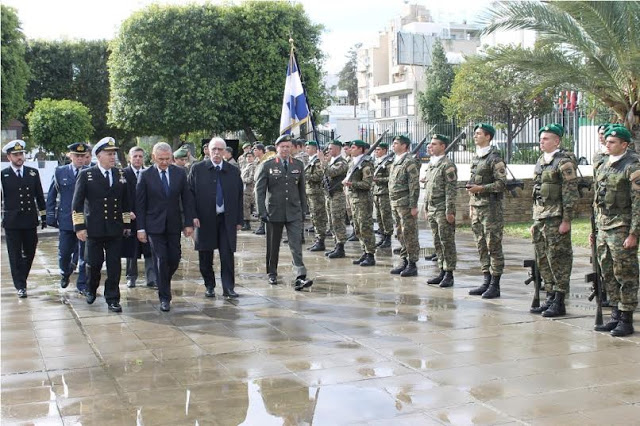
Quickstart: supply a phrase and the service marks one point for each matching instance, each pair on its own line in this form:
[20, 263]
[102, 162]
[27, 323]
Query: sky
[346, 22]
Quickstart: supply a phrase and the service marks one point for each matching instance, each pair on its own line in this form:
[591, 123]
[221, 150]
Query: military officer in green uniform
[440, 205]
[555, 193]
[358, 183]
[334, 172]
[381, 201]
[314, 174]
[404, 191]
[617, 204]
[486, 189]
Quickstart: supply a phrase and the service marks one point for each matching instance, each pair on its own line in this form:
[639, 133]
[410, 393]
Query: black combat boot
[398, 269]
[557, 308]
[260, 230]
[612, 323]
[246, 226]
[438, 279]
[411, 270]
[447, 281]
[432, 256]
[625, 325]
[369, 260]
[318, 245]
[545, 305]
[353, 237]
[338, 252]
[485, 285]
[386, 242]
[360, 259]
[494, 288]
[396, 250]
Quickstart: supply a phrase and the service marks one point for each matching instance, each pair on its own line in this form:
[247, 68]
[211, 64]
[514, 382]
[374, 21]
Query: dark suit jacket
[131, 247]
[281, 195]
[63, 184]
[157, 213]
[101, 209]
[23, 198]
[203, 185]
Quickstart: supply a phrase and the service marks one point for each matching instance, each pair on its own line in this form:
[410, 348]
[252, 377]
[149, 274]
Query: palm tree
[591, 46]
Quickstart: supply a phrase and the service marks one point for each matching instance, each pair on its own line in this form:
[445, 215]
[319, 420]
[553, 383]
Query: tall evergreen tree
[438, 79]
[15, 72]
[347, 77]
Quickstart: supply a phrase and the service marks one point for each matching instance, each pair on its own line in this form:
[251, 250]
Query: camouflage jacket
[314, 173]
[555, 187]
[248, 174]
[442, 187]
[302, 156]
[617, 194]
[361, 181]
[404, 185]
[334, 174]
[381, 176]
[490, 172]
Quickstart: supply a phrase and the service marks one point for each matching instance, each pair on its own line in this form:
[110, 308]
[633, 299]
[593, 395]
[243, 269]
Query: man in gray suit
[281, 201]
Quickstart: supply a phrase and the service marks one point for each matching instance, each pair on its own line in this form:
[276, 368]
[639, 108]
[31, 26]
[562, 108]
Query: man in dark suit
[63, 184]
[282, 201]
[23, 203]
[101, 216]
[217, 190]
[132, 248]
[163, 197]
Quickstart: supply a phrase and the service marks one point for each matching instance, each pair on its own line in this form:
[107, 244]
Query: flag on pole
[294, 102]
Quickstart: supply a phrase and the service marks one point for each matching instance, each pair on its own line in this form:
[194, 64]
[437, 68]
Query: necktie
[284, 163]
[106, 174]
[165, 183]
[219, 196]
[76, 172]
[138, 174]
[19, 173]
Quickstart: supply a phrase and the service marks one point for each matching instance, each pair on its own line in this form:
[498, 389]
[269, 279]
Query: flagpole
[306, 98]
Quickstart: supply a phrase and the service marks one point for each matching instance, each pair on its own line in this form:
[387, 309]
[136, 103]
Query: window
[403, 105]
[386, 107]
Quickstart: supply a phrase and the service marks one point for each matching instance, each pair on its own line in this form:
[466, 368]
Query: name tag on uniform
[275, 171]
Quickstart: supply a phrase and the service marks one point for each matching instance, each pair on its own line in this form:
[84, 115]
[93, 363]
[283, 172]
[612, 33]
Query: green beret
[486, 127]
[442, 138]
[403, 139]
[359, 143]
[312, 143]
[283, 138]
[181, 152]
[347, 143]
[383, 145]
[336, 143]
[619, 132]
[246, 144]
[556, 129]
[604, 126]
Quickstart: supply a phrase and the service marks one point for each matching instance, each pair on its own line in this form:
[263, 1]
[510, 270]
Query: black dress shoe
[131, 284]
[209, 293]
[301, 283]
[90, 297]
[22, 293]
[82, 291]
[152, 284]
[230, 294]
[64, 282]
[115, 307]
[273, 280]
[165, 306]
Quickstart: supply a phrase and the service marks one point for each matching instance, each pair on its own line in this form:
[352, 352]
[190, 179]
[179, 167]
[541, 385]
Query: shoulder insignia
[635, 180]
[451, 174]
[568, 170]
[32, 173]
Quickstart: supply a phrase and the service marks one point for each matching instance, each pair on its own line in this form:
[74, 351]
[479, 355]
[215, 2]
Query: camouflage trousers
[318, 212]
[336, 206]
[363, 223]
[619, 268]
[554, 254]
[384, 215]
[248, 201]
[444, 240]
[487, 223]
[347, 205]
[407, 233]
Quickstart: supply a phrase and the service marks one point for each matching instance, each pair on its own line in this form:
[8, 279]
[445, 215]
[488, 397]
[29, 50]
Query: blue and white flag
[294, 101]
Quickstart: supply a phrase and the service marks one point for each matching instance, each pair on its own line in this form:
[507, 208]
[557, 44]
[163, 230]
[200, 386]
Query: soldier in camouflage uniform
[249, 197]
[358, 184]
[334, 172]
[617, 203]
[299, 151]
[346, 153]
[555, 193]
[242, 159]
[486, 189]
[404, 191]
[314, 173]
[440, 205]
[381, 201]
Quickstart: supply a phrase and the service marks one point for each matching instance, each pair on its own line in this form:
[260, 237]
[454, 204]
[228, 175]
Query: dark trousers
[166, 258]
[21, 246]
[68, 244]
[274, 237]
[227, 267]
[99, 249]
[149, 266]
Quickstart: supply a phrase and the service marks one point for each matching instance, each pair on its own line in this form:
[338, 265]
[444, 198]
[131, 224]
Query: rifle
[595, 277]
[454, 142]
[513, 183]
[582, 182]
[534, 275]
[365, 157]
[414, 153]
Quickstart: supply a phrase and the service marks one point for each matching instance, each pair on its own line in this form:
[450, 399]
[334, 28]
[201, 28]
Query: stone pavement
[362, 346]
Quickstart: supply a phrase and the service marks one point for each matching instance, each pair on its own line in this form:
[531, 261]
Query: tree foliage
[591, 46]
[347, 77]
[15, 72]
[54, 124]
[213, 68]
[438, 79]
